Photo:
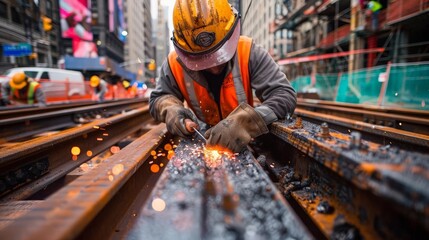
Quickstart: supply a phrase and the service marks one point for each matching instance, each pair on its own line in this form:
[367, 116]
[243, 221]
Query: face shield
[215, 56]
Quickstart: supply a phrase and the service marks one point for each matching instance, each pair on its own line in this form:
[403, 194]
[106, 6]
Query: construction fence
[393, 85]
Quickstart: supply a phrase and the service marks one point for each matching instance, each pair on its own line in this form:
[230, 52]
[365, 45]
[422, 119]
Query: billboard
[116, 19]
[76, 24]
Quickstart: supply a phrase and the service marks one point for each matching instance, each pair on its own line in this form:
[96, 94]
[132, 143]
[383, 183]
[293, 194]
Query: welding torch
[192, 127]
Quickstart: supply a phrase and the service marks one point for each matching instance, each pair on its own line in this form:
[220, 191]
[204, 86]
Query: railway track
[409, 120]
[21, 123]
[402, 128]
[303, 180]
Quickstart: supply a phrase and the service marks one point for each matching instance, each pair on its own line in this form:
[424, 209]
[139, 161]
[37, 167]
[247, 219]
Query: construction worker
[100, 88]
[130, 88]
[374, 7]
[22, 90]
[214, 69]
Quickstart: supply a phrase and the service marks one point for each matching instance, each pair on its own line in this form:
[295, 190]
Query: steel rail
[243, 205]
[20, 111]
[98, 196]
[369, 187]
[223, 198]
[39, 121]
[28, 110]
[380, 134]
[46, 159]
[371, 190]
[403, 119]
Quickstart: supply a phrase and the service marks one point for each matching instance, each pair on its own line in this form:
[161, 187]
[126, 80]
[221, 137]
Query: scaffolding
[344, 29]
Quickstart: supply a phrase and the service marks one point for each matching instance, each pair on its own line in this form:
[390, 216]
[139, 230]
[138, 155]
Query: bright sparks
[158, 204]
[75, 151]
[118, 168]
[89, 153]
[168, 147]
[154, 168]
[212, 157]
[115, 149]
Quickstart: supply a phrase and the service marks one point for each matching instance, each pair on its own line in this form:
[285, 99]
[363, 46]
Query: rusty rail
[381, 134]
[346, 184]
[416, 121]
[46, 159]
[231, 198]
[113, 185]
[196, 201]
[19, 124]
[328, 184]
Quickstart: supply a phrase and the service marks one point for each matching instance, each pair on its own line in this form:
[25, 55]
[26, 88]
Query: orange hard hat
[19, 80]
[206, 32]
[126, 84]
[94, 81]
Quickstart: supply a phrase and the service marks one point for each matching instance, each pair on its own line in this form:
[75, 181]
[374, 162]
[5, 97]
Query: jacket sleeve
[5, 92]
[40, 97]
[103, 88]
[165, 85]
[271, 86]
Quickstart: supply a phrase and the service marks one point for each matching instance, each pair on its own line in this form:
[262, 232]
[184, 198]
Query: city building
[94, 34]
[345, 52]
[29, 33]
[139, 49]
[162, 35]
[257, 18]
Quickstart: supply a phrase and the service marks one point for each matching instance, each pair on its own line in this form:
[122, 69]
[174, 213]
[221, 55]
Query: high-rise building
[138, 45]
[162, 35]
[256, 17]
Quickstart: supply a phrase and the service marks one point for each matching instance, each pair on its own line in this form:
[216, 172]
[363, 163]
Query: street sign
[17, 50]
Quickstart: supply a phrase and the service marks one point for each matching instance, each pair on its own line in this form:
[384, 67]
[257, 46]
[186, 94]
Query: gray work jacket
[270, 86]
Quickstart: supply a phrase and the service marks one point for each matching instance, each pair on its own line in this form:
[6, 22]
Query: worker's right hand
[175, 120]
[171, 111]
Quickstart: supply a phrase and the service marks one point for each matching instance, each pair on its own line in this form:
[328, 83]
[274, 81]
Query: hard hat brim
[222, 55]
[18, 86]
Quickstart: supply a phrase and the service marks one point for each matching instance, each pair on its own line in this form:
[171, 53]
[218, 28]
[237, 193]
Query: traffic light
[32, 56]
[151, 66]
[47, 24]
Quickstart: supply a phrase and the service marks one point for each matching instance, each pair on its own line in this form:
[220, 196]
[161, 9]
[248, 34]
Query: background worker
[130, 88]
[374, 8]
[215, 70]
[100, 88]
[22, 90]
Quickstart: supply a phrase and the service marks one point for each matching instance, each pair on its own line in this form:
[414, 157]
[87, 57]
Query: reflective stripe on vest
[235, 88]
[375, 6]
[32, 87]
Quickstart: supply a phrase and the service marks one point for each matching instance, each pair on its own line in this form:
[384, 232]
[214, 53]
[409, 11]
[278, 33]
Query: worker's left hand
[236, 131]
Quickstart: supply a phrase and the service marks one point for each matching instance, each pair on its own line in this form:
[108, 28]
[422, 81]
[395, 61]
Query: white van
[56, 83]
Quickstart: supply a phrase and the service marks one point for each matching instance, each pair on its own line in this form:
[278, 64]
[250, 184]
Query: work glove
[170, 110]
[238, 129]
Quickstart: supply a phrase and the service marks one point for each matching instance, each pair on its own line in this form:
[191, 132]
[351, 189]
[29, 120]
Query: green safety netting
[362, 86]
[300, 82]
[326, 85]
[408, 87]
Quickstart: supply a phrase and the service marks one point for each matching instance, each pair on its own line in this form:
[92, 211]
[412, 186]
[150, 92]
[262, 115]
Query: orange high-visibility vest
[235, 88]
[29, 97]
